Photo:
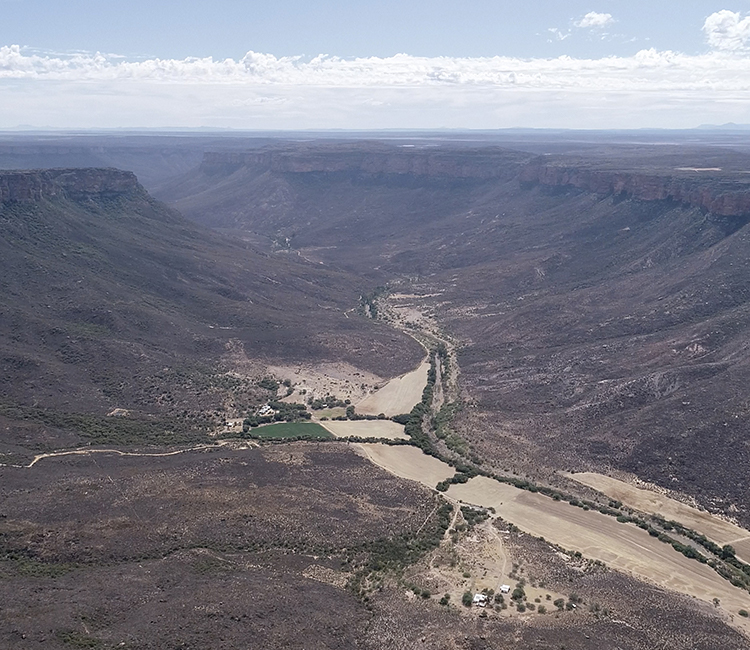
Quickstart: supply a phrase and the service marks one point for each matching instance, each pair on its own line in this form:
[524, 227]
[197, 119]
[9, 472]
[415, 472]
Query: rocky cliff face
[75, 184]
[376, 160]
[719, 193]
[724, 197]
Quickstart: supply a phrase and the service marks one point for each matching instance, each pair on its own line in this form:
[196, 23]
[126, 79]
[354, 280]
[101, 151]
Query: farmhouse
[480, 600]
[265, 410]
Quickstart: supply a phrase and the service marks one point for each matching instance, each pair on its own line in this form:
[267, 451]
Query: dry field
[340, 379]
[717, 529]
[599, 537]
[408, 462]
[399, 395]
[365, 428]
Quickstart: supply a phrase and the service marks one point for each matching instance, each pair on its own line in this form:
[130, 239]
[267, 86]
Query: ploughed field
[387, 429]
[398, 396]
[714, 527]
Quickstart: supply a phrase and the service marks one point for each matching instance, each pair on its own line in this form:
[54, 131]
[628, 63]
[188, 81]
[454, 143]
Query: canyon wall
[725, 197]
[75, 184]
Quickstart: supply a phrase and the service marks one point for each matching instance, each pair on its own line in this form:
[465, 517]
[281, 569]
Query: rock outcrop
[74, 184]
[722, 197]
[376, 160]
[722, 194]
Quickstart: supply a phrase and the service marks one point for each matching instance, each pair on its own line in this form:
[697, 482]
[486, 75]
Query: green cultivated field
[291, 430]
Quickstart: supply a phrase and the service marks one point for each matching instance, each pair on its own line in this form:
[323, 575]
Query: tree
[727, 552]
[467, 599]
[518, 593]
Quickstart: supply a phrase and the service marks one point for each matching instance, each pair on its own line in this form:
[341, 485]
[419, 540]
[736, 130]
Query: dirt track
[717, 529]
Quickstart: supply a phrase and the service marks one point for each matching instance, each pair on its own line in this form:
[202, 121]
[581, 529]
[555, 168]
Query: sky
[302, 64]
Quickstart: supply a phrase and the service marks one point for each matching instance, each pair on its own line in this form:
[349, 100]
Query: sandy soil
[482, 554]
[600, 537]
[365, 428]
[399, 395]
[720, 531]
[408, 462]
[340, 379]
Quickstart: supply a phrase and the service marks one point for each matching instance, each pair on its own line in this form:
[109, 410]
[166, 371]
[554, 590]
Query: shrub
[467, 599]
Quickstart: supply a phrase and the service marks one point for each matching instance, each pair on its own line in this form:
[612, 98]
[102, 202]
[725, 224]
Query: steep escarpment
[112, 300]
[373, 159]
[76, 184]
[724, 194]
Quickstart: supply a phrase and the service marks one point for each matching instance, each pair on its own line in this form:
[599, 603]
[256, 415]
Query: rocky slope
[601, 302]
[112, 300]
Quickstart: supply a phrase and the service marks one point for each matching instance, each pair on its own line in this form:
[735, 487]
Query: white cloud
[594, 20]
[645, 71]
[650, 88]
[727, 31]
[558, 34]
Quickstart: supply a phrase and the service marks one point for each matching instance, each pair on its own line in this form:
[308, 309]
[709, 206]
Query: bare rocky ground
[253, 548]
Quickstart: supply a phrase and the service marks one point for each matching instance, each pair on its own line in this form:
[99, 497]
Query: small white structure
[480, 600]
[265, 410]
[505, 589]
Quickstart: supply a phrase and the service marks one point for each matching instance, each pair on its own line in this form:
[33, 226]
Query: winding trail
[117, 452]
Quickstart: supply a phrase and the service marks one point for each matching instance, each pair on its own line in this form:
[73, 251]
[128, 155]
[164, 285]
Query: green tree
[727, 552]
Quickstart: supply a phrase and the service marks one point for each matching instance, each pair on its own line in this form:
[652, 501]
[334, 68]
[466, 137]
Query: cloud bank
[648, 70]
[651, 88]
